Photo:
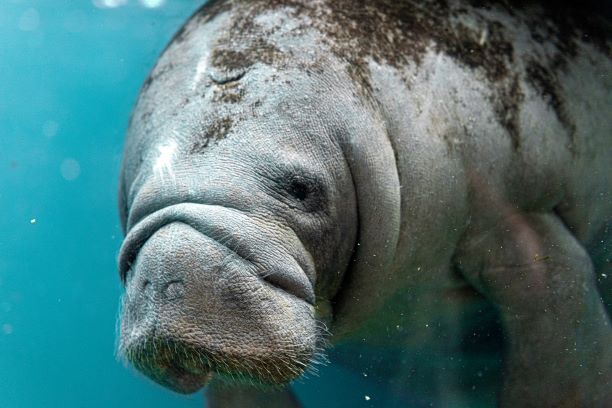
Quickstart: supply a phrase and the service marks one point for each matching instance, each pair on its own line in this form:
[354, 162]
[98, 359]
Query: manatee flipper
[241, 397]
[557, 331]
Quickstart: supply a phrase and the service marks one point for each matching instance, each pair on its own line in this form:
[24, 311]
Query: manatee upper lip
[290, 280]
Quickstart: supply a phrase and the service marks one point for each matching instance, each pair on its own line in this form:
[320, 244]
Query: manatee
[401, 186]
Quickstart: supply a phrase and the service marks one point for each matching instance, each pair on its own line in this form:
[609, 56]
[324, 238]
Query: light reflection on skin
[163, 162]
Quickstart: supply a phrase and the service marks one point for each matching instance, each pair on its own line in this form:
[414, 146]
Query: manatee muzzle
[230, 228]
[205, 295]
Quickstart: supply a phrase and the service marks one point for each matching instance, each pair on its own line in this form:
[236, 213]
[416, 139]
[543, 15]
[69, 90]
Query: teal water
[69, 75]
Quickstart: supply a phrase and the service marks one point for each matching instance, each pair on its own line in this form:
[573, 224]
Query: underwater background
[70, 71]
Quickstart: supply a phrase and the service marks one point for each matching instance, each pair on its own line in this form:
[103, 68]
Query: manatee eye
[306, 192]
[299, 189]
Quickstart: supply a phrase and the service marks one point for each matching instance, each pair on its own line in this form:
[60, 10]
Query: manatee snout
[204, 300]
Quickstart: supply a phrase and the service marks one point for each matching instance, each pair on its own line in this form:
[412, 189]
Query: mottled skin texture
[400, 179]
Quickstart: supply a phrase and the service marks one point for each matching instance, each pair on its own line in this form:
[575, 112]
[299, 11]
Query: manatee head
[239, 209]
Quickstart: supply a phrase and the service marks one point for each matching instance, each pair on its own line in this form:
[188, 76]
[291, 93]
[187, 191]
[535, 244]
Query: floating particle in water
[70, 169]
[29, 20]
[367, 397]
[33, 221]
[152, 3]
[50, 128]
[7, 328]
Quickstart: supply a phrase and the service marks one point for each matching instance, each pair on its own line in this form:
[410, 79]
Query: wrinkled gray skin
[389, 174]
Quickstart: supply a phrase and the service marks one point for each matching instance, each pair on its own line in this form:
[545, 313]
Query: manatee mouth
[170, 364]
[224, 225]
[185, 369]
[177, 378]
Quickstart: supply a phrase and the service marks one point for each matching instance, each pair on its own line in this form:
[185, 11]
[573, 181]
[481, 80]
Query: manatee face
[240, 216]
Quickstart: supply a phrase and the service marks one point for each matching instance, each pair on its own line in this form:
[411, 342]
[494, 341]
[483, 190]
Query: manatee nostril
[174, 290]
[145, 284]
[147, 288]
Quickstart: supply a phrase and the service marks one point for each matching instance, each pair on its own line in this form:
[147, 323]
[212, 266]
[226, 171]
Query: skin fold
[423, 186]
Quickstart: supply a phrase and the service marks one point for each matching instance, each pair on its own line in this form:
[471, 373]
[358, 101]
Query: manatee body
[397, 179]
